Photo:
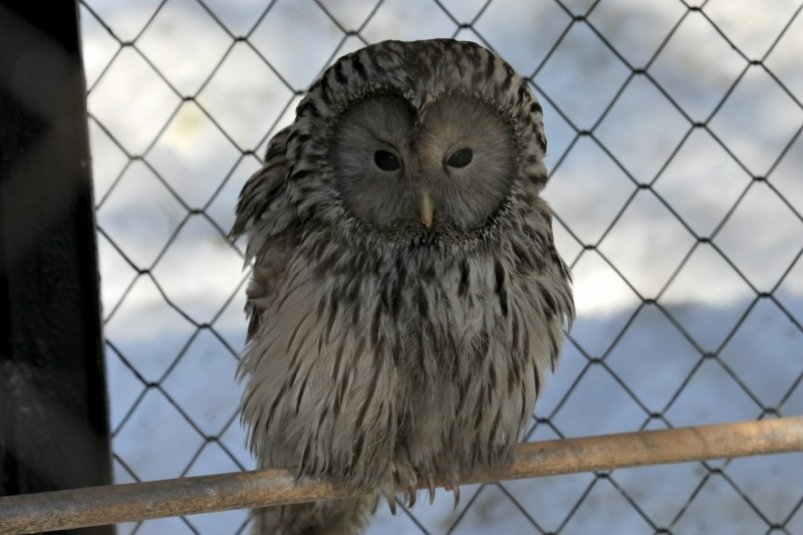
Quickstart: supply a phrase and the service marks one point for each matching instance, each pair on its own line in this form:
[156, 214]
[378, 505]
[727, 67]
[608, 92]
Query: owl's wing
[266, 217]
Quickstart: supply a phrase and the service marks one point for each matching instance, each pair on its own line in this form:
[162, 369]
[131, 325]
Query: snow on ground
[625, 244]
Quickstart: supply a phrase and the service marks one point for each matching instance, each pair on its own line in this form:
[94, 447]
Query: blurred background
[675, 153]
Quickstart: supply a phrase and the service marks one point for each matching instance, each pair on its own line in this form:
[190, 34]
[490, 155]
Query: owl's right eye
[386, 161]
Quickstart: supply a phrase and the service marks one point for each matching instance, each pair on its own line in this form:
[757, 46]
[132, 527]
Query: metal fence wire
[675, 153]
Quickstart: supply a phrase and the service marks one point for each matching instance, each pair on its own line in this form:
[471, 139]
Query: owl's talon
[456, 491]
[411, 496]
[431, 489]
[390, 497]
[406, 480]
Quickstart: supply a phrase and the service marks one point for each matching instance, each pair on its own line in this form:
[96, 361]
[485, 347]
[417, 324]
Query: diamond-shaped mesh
[675, 154]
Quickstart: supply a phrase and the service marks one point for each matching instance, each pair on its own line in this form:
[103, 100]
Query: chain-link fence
[675, 153]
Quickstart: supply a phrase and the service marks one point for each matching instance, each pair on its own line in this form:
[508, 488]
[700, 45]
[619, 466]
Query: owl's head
[417, 138]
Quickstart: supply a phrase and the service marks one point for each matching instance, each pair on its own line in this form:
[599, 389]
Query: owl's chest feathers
[416, 349]
[416, 305]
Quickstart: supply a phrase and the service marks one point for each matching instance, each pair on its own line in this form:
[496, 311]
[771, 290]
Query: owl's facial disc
[451, 165]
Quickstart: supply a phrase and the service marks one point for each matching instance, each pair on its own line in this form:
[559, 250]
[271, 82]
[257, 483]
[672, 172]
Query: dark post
[54, 431]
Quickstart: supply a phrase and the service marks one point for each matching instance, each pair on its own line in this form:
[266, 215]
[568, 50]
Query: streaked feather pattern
[380, 356]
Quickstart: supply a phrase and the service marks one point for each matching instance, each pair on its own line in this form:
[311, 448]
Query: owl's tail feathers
[336, 517]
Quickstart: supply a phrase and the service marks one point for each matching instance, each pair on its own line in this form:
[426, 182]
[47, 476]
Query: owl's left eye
[460, 158]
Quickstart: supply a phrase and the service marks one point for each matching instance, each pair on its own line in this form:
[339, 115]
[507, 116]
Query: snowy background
[676, 152]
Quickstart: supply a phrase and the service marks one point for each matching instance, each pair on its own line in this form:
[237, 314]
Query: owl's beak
[426, 209]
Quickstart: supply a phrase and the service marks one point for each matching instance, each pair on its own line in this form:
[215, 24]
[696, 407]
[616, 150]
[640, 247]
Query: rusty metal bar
[139, 501]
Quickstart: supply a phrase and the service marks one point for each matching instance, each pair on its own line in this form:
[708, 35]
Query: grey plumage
[406, 300]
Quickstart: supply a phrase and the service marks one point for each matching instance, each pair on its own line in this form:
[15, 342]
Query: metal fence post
[54, 430]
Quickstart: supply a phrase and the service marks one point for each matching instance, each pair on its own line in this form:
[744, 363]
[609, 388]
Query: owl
[406, 298]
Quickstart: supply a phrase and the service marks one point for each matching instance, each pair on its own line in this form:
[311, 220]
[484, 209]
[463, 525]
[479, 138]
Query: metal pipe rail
[138, 501]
